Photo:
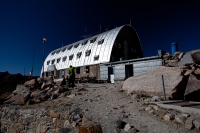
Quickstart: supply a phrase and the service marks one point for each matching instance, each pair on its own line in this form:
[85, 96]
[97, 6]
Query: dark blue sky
[23, 24]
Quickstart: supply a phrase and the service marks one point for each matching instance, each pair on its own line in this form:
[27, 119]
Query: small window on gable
[93, 40]
[76, 45]
[87, 53]
[53, 53]
[48, 62]
[63, 50]
[96, 57]
[70, 47]
[64, 58]
[71, 57]
[79, 54]
[100, 41]
[52, 62]
[85, 42]
[58, 51]
[58, 60]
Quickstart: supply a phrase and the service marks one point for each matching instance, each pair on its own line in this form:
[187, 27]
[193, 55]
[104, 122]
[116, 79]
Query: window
[48, 62]
[70, 47]
[93, 40]
[78, 70]
[52, 62]
[87, 53]
[53, 53]
[58, 51]
[79, 54]
[101, 41]
[96, 57]
[71, 57]
[86, 69]
[64, 58]
[58, 60]
[76, 45]
[85, 42]
[63, 50]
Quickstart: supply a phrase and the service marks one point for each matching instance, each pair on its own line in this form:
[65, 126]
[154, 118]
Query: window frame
[64, 58]
[71, 57]
[87, 53]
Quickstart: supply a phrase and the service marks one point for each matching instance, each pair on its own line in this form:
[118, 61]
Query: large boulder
[190, 57]
[192, 91]
[150, 83]
[19, 96]
[33, 84]
[16, 99]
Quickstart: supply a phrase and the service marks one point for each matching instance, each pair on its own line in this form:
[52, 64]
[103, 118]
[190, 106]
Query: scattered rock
[16, 100]
[53, 114]
[189, 123]
[169, 117]
[127, 127]
[148, 108]
[156, 108]
[89, 127]
[71, 96]
[135, 96]
[197, 71]
[196, 123]
[155, 98]
[151, 111]
[188, 72]
[112, 87]
[33, 84]
[142, 109]
[74, 124]
[180, 119]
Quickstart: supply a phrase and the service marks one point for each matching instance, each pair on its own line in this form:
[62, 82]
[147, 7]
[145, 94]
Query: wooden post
[163, 87]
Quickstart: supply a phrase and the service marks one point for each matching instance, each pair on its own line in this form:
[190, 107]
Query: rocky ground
[106, 107]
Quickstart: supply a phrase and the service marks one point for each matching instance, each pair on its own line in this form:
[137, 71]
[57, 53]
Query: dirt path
[105, 104]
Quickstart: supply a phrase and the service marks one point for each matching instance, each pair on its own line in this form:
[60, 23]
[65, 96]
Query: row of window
[76, 45]
[96, 57]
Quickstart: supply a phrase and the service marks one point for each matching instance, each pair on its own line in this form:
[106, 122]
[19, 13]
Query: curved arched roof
[98, 48]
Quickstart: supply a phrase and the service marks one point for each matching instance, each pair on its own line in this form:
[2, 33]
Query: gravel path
[104, 104]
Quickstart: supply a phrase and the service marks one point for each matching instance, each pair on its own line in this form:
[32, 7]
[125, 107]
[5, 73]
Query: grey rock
[135, 96]
[169, 117]
[189, 123]
[196, 123]
[127, 127]
[148, 108]
[192, 91]
[180, 119]
[190, 57]
[150, 83]
[155, 98]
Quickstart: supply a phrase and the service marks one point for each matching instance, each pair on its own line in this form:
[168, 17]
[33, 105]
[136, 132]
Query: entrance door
[128, 71]
[110, 72]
